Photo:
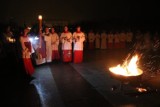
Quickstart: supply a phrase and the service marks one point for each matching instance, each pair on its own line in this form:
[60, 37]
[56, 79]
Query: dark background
[122, 11]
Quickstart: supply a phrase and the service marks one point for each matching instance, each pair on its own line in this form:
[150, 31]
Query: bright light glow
[31, 39]
[11, 40]
[141, 89]
[29, 28]
[128, 69]
[40, 17]
[36, 38]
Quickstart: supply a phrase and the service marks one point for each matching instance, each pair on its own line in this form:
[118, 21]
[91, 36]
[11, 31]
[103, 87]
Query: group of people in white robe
[67, 46]
[103, 40]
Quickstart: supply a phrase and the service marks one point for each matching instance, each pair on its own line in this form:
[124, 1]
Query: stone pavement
[88, 84]
[70, 89]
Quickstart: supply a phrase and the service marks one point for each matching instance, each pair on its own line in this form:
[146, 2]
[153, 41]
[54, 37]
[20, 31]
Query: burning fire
[128, 68]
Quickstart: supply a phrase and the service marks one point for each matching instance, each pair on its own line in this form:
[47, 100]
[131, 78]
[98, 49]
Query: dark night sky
[78, 10]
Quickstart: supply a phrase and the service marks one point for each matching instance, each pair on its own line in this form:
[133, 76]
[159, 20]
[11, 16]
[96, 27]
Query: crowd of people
[66, 46]
[47, 47]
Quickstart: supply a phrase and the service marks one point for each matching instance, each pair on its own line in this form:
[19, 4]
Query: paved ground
[88, 84]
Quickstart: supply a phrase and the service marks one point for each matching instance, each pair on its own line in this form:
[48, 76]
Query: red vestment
[27, 61]
[78, 56]
[67, 55]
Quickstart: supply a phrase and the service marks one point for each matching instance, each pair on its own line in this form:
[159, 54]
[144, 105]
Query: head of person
[47, 29]
[52, 30]
[26, 31]
[65, 28]
[78, 29]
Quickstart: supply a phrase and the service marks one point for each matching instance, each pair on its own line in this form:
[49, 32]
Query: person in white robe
[97, 40]
[116, 40]
[47, 38]
[129, 39]
[78, 39]
[103, 40]
[85, 43]
[55, 44]
[110, 40]
[91, 40]
[66, 40]
[122, 39]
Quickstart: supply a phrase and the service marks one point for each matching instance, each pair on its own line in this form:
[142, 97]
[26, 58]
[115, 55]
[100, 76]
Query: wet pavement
[88, 84]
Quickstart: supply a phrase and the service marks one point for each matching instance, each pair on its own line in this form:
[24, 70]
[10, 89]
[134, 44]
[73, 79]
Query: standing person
[66, 40]
[110, 40]
[129, 38]
[91, 39]
[78, 39]
[85, 42]
[47, 38]
[27, 50]
[122, 39]
[40, 48]
[55, 44]
[103, 40]
[8, 36]
[116, 40]
[97, 41]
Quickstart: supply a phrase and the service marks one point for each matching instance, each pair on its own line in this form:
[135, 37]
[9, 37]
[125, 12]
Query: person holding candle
[27, 50]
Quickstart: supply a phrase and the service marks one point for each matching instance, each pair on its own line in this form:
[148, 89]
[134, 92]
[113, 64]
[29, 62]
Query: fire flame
[127, 69]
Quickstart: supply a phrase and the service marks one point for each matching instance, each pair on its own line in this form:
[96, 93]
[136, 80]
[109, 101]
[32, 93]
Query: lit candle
[40, 28]
[40, 17]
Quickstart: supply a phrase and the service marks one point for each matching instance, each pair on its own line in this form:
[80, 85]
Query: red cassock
[55, 55]
[91, 45]
[79, 38]
[110, 45]
[27, 60]
[28, 66]
[78, 56]
[67, 55]
[66, 39]
[117, 45]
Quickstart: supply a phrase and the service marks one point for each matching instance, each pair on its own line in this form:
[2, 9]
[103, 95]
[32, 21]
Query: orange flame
[127, 69]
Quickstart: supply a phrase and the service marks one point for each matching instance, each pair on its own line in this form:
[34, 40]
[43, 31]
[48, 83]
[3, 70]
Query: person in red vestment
[78, 39]
[66, 40]
[27, 50]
